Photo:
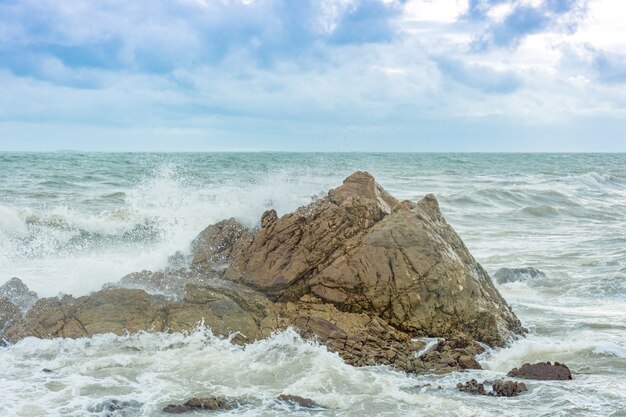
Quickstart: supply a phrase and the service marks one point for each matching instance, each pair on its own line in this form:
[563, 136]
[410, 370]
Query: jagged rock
[472, 386]
[499, 388]
[505, 275]
[193, 404]
[357, 270]
[361, 250]
[299, 401]
[502, 388]
[542, 371]
[18, 293]
[212, 248]
[9, 314]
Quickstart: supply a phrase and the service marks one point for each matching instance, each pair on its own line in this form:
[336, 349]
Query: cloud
[521, 19]
[611, 67]
[479, 76]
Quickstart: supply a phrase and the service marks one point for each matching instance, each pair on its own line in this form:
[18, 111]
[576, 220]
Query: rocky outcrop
[361, 250]
[528, 274]
[364, 274]
[543, 371]
[231, 310]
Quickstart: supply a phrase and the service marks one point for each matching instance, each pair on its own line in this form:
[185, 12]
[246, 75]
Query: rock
[502, 388]
[18, 293]
[499, 387]
[358, 271]
[113, 407]
[229, 309]
[299, 401]
[361, 250]
[268, 218]
[472, 386]
[505, 275]
[543, 371]
[46, 370]
[212, 248]
[169, 283]
[192, 404]
[9, 314]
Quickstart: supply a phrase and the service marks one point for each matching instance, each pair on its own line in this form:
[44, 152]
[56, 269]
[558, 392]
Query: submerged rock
[528, 274]
[193, 404]
[18, 293]
[543, 371]
[356, 270]
[499, 388]
[299, 401]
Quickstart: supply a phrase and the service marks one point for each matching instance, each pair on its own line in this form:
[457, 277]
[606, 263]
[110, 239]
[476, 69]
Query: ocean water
[69, 222]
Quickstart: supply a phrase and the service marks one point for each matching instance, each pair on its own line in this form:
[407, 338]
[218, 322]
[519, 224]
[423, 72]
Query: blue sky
[371, 75]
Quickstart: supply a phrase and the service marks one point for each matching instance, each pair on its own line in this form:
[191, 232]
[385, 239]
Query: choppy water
[70, 222]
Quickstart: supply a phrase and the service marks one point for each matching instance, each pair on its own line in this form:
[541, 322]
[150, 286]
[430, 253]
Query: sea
[70, 222]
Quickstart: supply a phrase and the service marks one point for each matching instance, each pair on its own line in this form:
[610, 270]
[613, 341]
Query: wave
[145, 222]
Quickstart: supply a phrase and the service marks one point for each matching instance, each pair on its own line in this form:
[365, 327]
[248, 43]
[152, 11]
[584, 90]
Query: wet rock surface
[195, 404]
[9, 314]
[499, 388]
[527, 274]
[357, 270]
[298, 401]
[18, 293]
[543, 371]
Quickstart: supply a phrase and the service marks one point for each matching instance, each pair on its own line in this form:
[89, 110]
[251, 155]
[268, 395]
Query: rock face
[528, 274]
[542, 371]
[357, 270]
[9, 314]
[361, 250]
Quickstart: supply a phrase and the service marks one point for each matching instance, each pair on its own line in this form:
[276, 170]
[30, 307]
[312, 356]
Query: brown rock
[361, 250]
[9, 314]
[543, 371]
[507, 388]
[472, 386]
[225, 310]
[299, 401]
[192, 404]
[211, 249]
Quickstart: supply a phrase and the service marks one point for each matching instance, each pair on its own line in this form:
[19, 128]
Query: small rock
[504, 275]
[176, 409]
[472, 386]
[46, 370]
[543, 371]
[300, 401]
[18, 293]
[210, 403]
[268, 218]
[507, 388]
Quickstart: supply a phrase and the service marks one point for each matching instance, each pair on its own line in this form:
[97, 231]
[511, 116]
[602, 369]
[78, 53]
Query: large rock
[542, 371]
[358, 271]
[117, 310]
[361, 250]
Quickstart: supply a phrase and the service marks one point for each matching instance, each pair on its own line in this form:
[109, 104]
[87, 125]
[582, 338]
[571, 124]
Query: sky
[304, 75]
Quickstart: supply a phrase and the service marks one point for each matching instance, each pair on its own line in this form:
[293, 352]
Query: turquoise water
[70, 222]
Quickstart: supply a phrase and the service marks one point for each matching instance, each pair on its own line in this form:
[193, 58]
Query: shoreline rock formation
[361, 272]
